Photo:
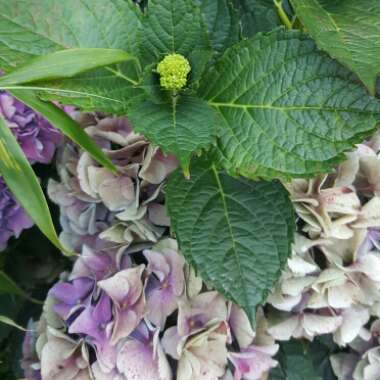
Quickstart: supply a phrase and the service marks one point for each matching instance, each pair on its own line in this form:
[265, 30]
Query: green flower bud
[173, 70]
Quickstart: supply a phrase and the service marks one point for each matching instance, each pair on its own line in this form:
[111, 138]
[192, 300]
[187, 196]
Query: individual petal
[240, 326]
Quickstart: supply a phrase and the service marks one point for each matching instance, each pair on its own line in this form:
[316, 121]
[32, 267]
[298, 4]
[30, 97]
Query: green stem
[282, 14]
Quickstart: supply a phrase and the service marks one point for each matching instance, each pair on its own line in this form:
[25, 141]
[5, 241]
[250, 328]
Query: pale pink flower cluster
[331, 284]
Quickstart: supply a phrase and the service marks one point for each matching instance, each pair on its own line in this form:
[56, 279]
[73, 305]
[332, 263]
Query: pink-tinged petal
[125, 286]
[127, 319]
[285, 328]
[318, 324]
[369, 264]
[160, 303]
[204, 356]
[85, 161]
[194, 314]
[136, 361]
[164, 368]
[168, 284]
[354, 319]
[96, 177]
[241, 326]
[99, 374]
[106, 354]
[157, 166]
[369, 215]
[117, 193]
[172, 342]
[343, 365]
[58, 359]
[252, 363]
[93, 320]
[158, 215]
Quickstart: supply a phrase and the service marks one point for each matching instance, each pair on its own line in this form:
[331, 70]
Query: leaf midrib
[226, 215]
[290, 108]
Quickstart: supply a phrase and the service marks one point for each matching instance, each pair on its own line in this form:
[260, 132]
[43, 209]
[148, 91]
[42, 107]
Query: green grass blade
[23, 183]
[10, 322]
[64, 64]
[8, 286]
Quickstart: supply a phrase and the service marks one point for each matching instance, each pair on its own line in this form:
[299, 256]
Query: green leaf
[23, 183]
[8, 286]
[172, 26]
[288, 109]
[68, 24]
[236, 232]
[108, 90]
[64, 64]
[257, 16]
[300, 360]
[37, 27]
[184, 126]
[66, 125]
[348, 30]
[11, 322]
[222, 21]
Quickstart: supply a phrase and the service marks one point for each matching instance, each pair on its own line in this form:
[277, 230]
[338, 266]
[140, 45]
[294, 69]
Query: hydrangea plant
[243, 105]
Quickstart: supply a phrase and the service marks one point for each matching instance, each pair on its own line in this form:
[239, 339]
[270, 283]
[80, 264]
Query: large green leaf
[23, 183]
[64, 64]
[236, 232]
[288, 109]
[222, 21]
[348, 30]
[172, 26]
[182, 127]
[257, 16]
[66, 124]
[74, 24]
[37, 27]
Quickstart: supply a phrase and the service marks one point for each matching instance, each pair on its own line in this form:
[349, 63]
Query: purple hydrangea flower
[37, 138]
[166, 282]
[71, 296]
[95, 324]
[13, 218]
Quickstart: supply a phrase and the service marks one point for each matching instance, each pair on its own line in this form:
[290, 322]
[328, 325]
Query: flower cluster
[362, 361]
[332, 281]
[131, 308]
[38, 139]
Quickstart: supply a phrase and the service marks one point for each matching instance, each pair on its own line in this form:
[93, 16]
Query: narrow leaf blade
[11, 322]
[8, 286]
[23, 183]
[66, 124]
[64, 64]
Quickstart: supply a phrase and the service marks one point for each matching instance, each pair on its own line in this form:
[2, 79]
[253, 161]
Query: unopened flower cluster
[131, 308]
[38, 139]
